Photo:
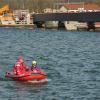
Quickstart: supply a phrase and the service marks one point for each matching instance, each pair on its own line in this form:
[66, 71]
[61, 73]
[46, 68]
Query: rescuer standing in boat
[20, 68]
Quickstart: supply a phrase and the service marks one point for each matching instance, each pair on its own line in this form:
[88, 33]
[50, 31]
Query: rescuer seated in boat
[35, 69]
[20, 68]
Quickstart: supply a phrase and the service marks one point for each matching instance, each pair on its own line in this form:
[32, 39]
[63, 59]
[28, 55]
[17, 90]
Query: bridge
[89, 17]
[83, 17]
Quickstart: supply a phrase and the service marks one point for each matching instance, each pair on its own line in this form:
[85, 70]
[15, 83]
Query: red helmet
[20, 59]
[18, 64]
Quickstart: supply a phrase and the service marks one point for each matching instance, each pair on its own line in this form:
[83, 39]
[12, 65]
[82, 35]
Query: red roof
[86, 6]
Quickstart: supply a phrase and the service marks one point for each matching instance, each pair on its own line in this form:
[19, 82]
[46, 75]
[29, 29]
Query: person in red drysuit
[20, 68]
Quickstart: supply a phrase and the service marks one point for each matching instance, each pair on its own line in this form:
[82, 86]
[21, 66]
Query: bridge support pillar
[90, 25]
[61, 24]
[40, 24]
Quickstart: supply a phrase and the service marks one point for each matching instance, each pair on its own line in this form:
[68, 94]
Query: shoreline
[31, 26]
[19, 25]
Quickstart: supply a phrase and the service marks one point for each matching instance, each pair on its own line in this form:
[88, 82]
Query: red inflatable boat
[26, 77]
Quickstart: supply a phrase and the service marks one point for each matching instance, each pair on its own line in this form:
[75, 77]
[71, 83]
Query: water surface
[70, 59]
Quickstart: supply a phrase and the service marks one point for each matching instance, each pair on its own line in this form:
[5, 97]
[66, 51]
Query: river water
[70, 59]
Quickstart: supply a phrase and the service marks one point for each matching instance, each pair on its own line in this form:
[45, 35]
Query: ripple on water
[70, 59]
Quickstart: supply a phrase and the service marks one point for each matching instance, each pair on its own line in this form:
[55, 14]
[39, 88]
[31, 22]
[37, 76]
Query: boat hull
[26, 77]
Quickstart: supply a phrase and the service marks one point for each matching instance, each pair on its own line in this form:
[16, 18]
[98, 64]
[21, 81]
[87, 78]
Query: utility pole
[23, 2]
[68, 1]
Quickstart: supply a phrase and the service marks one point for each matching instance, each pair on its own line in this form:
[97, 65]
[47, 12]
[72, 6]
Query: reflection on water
[33, 84]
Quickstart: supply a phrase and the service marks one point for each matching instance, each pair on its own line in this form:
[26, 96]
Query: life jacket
[19, 68]
[37, 70]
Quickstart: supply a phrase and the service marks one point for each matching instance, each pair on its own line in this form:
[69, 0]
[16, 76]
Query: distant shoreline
[18, 25]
